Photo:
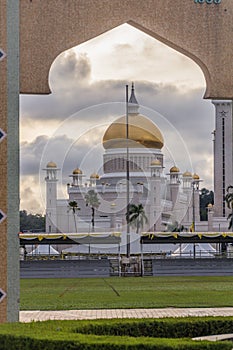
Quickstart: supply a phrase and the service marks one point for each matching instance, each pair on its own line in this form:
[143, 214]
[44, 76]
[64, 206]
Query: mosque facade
[166, 198]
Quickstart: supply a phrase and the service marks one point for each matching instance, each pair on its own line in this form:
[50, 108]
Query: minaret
[155, 209]
[187, 180]
[133, 106]
[93, 178]
[223, 153]
[51, 197]
[77, 176]
[174, 184]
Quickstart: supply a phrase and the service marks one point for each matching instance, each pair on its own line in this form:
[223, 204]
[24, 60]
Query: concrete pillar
[223, 155]
[9, 160]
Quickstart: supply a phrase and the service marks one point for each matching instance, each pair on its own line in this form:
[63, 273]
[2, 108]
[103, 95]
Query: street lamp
[195, 188]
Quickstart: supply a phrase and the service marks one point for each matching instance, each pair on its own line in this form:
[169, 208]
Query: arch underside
[47, 29]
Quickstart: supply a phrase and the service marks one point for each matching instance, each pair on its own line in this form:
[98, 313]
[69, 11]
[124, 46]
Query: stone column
[223, 155]
[9, 159]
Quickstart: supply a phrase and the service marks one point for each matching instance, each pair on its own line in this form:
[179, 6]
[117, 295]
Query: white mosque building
[166, 198]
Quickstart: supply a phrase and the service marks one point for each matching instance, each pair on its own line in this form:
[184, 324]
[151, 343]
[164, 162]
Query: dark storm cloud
[36, 154]
[64, 103]
[65, 152]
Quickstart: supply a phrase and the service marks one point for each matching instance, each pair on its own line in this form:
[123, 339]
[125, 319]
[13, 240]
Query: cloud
[36, 154]
[30, 195]
[67, 153]
[75, 68]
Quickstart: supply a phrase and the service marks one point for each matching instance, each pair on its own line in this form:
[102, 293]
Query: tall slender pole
[193, 225]
[127, 173]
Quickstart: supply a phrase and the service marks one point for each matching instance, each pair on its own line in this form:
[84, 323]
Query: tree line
[31, 222]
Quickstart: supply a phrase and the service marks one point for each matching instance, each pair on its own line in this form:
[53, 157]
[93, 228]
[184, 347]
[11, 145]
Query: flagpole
[193, 223]
[127, 173]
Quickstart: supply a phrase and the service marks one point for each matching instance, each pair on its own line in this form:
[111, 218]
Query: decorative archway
[37, 31]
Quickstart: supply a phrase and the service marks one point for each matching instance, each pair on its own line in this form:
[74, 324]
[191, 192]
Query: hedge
[167, 328]
[10, 342]
[114, 334]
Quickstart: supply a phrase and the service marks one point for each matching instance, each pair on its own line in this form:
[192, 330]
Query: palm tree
[92, 200]
[229, 201]
[73, 205]
[136, 216]
[175, 227]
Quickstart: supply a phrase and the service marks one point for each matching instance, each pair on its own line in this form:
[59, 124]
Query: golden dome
[196, 177]
[142, 133]
[174, 169]
[187, 174]
[210, 206]
[94, 176]
[155, 162]
[51, 165]
[77, 171]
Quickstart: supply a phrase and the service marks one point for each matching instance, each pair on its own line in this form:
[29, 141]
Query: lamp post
[195, 187]
[193, 222]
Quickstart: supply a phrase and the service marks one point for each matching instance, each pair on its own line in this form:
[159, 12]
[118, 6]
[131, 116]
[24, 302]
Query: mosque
[166, 198]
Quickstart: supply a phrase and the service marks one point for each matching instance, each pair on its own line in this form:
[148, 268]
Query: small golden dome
[77, 171]
[174, 169]
[51, 165]
[196, 177]
[94, 176]
[142, 133]
[155, 162]
[187, 174]
[210, 206]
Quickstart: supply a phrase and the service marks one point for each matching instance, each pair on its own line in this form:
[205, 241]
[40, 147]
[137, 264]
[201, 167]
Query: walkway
[29, 316]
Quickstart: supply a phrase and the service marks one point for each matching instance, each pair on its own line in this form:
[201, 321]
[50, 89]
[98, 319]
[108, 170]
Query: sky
[87, 86]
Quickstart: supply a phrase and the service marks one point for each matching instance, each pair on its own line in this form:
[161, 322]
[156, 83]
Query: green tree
[136, 216]
[206, 197]
[93, 202]
[31, 222]
[73, 206]
[229, 201]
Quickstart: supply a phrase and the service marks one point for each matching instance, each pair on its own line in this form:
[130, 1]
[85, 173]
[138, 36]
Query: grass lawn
[132, 292]
[113, 334]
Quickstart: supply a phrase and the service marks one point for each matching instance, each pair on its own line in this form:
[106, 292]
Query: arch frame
[203, 32]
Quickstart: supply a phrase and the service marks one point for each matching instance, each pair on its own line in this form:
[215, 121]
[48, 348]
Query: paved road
[29, 316]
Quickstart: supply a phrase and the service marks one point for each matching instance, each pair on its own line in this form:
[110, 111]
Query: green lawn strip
[147, 292]
[61, 335]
